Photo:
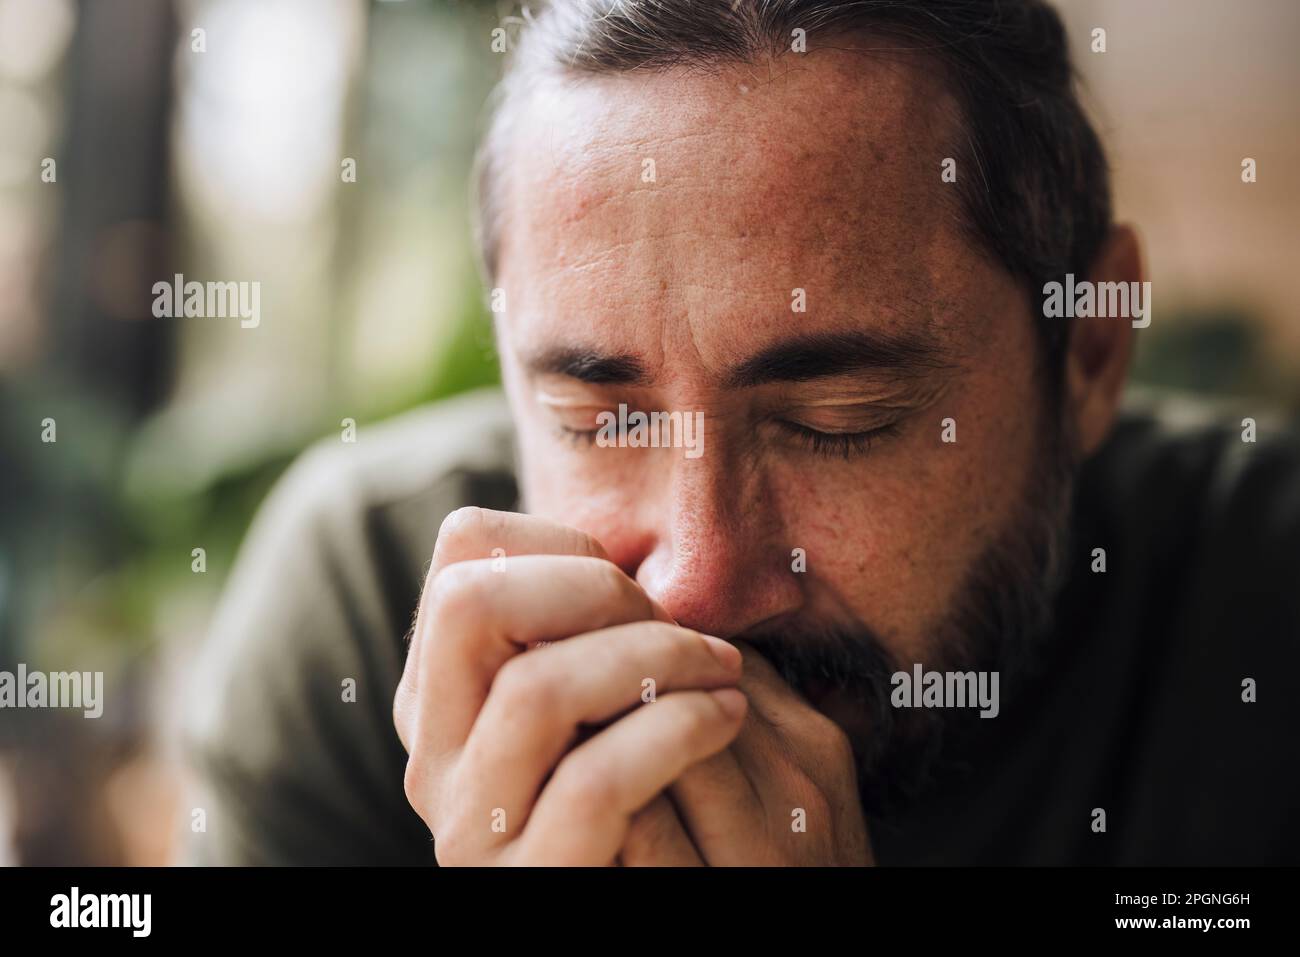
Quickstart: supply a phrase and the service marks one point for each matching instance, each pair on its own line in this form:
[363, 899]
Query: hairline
[488, 186]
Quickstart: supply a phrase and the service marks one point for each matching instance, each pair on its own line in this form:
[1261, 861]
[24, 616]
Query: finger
[474, 618]
[717, 802]
[774, 699]
[583, 815]
[789, 727]
[477, 533]
[469, 533]
[656, 838]
[540, 700]
[730, 802]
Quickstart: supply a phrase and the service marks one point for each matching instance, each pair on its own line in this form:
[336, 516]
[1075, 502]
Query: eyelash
[844, 445]
[574, 436]
[827, 444]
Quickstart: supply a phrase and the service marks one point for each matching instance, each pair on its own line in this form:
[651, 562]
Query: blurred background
[129, 154]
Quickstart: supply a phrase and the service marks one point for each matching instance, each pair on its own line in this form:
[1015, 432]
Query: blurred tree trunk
[113, 169]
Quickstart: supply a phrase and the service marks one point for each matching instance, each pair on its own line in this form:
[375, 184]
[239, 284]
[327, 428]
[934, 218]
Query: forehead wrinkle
[879, 247]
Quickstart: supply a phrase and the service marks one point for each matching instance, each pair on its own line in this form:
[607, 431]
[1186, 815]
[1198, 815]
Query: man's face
[823, 429]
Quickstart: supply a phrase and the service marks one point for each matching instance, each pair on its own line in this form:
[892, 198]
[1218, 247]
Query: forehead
[682, 205]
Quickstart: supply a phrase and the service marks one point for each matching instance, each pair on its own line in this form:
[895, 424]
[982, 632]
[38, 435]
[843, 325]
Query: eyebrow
[825, 355]
[801, 358]
[586, 365]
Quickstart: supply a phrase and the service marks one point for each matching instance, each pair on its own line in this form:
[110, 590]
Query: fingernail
[731, 701]
[726, 653]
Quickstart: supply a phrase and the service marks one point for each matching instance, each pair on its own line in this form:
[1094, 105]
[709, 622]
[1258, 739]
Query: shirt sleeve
[289, 723]
[290, 707]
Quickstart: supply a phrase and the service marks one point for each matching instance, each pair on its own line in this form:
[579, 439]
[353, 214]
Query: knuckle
[415, 785]
[702, 716]
[805, 791]
[834, 743]
[466, 523]
[403, 713]
[446, 824]
[459, 592]
[814, 802]
[455, 838]
[468, 532]
[586, 791]
[831, 734]
[449, 847]
[526, 684]
[662, 641]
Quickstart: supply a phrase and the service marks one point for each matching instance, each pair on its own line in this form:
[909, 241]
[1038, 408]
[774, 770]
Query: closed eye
[578, 436]
[835, 444]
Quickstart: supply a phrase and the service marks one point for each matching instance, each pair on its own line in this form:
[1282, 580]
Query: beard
[997, 623]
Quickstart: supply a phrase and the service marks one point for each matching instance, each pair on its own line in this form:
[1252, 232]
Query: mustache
[894, 756]
[820, 657]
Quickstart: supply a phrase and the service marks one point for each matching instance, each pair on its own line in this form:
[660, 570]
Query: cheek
[873, 553]
[883, 565]
[600, 494]
[892, 538]
[560, 487]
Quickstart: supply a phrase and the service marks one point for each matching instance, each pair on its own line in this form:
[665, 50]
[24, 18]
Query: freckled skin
[824, 175]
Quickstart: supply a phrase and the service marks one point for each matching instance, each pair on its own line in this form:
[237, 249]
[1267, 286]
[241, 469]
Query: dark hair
[1039, 196]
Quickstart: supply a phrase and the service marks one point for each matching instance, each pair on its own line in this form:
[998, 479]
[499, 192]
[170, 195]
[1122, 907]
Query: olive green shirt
[1139, 710]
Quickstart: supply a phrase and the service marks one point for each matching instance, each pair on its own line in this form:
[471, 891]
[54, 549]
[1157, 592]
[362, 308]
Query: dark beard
[997, 624]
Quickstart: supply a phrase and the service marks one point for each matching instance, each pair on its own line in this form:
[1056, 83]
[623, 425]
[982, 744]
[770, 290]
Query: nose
[712, 554]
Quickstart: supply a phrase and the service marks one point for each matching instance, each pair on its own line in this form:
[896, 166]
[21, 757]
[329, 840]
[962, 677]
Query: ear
[1097, 362]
